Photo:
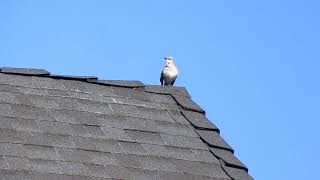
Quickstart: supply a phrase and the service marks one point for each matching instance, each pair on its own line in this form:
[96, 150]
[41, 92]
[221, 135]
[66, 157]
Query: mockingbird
[169, 73]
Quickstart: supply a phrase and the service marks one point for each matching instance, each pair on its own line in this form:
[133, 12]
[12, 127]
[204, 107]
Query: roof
[80, 127]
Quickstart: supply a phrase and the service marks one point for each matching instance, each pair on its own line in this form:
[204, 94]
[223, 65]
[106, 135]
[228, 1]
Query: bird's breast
[170, 72]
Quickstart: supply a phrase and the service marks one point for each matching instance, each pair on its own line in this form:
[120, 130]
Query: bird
[169, 73]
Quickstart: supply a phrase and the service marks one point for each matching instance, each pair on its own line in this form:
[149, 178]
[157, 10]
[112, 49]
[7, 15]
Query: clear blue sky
[252, 65]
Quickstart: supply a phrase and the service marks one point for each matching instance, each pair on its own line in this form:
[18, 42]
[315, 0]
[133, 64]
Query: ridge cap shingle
[25, 71]
[72, 77]
[118, 83]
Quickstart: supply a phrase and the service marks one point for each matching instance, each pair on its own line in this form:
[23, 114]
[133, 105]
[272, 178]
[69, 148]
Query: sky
[252, 65]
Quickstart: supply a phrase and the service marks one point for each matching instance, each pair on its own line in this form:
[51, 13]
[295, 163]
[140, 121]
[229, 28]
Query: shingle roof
[75, 128]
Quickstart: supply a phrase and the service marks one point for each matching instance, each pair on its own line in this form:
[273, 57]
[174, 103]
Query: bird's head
[169, 60]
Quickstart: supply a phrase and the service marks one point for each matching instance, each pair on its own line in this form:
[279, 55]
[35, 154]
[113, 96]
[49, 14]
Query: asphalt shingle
[30, 175]
[188, 104]
[78, 127]
[25, 150]
[68, 77]
[120, 83]
[213, 139]
[228, 158]
[139, 112]
[3, 162]
[199, 120]
[178, 117]
[237, 174]
[180, 91]
[24, 71]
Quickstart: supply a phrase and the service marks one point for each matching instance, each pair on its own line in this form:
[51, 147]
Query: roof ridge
[89, 79]
[134, 84]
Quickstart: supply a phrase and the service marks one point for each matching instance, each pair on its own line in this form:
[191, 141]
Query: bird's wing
[172, 82]
[161, 78]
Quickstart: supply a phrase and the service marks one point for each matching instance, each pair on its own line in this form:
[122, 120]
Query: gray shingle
[6, 110]
[42, 83]
[136, 102]
[178, 117]
[43, 102]
[141, 95]
[18, 124]
[181, 91]
[29, 112]
[68, 104]
[155, 163]
[7, 97]
[103, 145]
[55, 127]
[54, 140]
[71, 168]
[199, 120]
[103, 171]
[188, 103]
[160, 98]
[176, 176]
[129, 160]
[175, 129]
[24, 91]
[56, 92]
[28, 151]
[68, 77]
[10, 149]
[179, 153]
[45, 166]
[5, 122]
[121, 83]
[8, 135]
[18, 163]
[130, 123]
[133, 148]
[70, 129]
[7, 88]
[117, 134]
[34, 138]
[213, 139]
[25, 71]
[77, 86]
[92, 131]
[145, 137]
[200, 168]
[23, 99]
[95, 107]
[29, 175]
[131, 173]
[183, 141]
[121, 172]
[76, 117]
[140, 112]
[237, 174]
[40, 152]
[84, 156]
[3, 162]
[228, 157]
[16, 80]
